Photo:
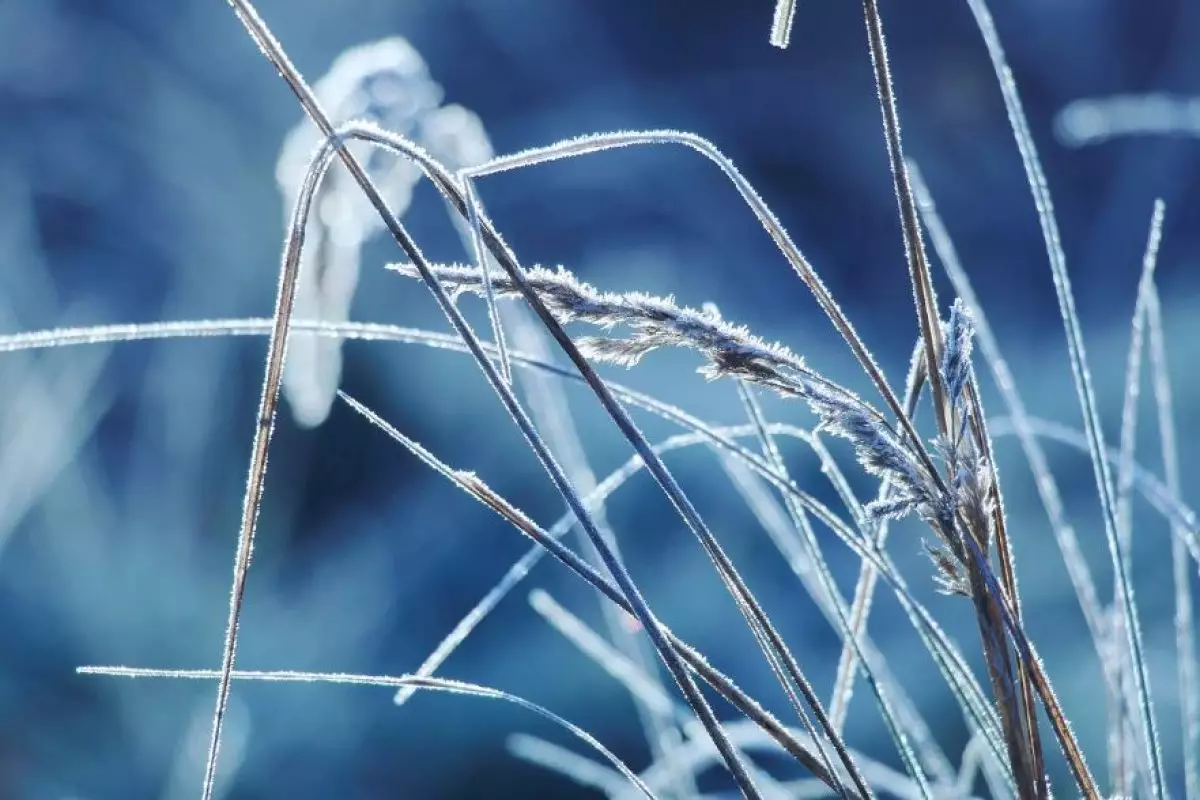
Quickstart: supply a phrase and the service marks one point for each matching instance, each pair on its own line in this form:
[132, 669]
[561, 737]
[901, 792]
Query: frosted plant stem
[1083, 386]
[428, 684]
[781, 24]
[485, 269]
[275, 54]
[1121, 751]
[914, 248]
[268, 405]
[1185, 635]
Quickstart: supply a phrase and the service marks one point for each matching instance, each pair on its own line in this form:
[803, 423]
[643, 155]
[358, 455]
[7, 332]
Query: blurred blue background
[138, 143]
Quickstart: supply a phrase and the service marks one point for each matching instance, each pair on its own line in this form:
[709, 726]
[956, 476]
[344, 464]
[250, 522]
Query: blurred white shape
[1095, 120]
[455, 135]
[781, 24]
[388, 83]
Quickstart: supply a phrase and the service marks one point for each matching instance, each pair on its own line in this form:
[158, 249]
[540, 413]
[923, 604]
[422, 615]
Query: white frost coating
[386, 82]
[781, 25]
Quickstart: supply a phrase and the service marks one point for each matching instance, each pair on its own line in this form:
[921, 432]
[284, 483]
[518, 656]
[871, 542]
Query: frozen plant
[387, 83]
[379, 113]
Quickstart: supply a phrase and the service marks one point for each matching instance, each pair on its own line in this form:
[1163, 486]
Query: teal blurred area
[138, 143]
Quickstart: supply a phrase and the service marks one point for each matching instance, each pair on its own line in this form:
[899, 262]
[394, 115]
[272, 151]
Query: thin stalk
[268, 405]
[428, 684]
[1121, 734]
[482, 261]
[914, 247]
[1185, 634]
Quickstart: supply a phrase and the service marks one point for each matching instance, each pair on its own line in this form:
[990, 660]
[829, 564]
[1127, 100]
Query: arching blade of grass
[268, 405]
[426, 684]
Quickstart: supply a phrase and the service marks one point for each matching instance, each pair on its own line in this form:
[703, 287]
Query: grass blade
[1185, 634]
[427, 684]
[1122, 760]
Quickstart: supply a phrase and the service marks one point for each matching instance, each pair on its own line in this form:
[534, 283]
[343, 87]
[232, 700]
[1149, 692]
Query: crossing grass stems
[951, 486]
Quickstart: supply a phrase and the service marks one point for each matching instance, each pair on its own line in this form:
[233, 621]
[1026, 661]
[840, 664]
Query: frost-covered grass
[380, 113]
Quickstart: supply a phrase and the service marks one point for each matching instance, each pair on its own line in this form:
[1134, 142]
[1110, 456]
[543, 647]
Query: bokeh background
[138, 143]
